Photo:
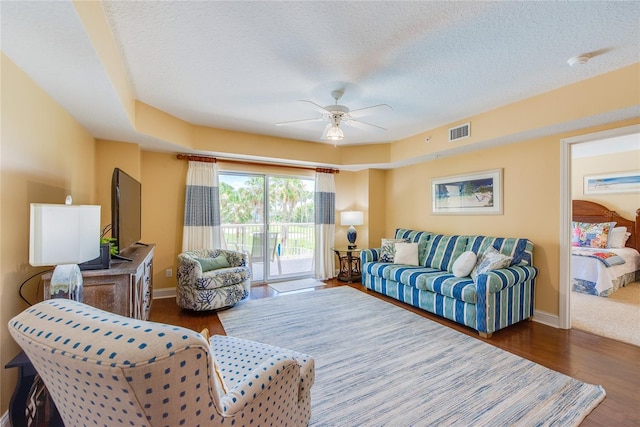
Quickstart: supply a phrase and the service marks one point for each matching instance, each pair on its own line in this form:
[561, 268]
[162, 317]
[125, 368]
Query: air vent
[460, 132]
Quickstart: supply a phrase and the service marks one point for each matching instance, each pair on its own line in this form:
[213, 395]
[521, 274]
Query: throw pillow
[388, 249]
[463, 265]
[406, 253]
[491, 259]
[216, 263]
[591, 235]
[618, 237]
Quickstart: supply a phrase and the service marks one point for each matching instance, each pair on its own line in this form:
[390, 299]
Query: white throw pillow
[618, 237]
[463, 265]
[406, 253]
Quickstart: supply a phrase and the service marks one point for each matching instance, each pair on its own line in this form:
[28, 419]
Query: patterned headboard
[586, 211]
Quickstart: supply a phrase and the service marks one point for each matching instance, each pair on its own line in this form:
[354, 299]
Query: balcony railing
[290, 251]
[293, 240]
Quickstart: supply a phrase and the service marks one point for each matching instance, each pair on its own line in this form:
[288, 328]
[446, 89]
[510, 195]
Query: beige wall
[46, 154]
[623, 203]
[163, 188]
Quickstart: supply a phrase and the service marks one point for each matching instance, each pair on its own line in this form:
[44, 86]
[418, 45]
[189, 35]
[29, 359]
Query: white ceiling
[245, 65]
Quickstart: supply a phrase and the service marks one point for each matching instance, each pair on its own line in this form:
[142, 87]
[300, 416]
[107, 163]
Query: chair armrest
[279, 374]
[189, 270]
[497, 280]
[370, 255]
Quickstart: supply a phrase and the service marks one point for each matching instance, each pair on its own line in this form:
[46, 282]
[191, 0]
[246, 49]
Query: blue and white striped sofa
[495, 300]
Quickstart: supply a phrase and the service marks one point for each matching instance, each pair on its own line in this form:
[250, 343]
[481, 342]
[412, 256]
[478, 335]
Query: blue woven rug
[381, 365]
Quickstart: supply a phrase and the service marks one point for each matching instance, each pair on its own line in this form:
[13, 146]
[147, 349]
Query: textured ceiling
[245, 65]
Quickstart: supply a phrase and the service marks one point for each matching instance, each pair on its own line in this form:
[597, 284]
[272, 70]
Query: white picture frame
[615, 182]
[478, 193]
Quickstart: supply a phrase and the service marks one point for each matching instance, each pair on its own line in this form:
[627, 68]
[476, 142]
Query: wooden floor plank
[586, 357]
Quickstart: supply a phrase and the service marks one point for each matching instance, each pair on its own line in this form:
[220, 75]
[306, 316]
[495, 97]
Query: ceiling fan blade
[370, 110]
[293, 122]
[360, 124]
[320, 108]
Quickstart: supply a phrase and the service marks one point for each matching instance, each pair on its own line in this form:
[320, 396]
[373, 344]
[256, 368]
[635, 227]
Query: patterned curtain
[201, 208]
[325, 206]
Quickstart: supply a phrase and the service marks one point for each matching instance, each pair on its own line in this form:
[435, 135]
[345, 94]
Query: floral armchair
[212, 279]
[104, 369]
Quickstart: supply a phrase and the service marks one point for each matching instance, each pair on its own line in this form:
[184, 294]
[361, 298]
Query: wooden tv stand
[125, 288]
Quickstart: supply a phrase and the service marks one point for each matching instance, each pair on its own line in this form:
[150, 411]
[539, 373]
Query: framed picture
[477, 193]
[617, 182]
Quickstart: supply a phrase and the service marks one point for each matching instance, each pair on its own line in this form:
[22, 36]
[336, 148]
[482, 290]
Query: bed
[603, 271]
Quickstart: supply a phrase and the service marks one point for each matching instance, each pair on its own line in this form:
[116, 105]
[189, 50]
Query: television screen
[126, 201]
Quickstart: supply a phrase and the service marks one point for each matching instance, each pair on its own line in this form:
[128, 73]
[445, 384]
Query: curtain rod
[244, 162]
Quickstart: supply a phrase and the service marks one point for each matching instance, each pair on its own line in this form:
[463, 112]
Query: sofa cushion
[463, 266]
[444, 283]
[414, 236]
[406, 253]
[388, 249]
[443, 250]
[520, 249]
[491, 259]
[408, 275]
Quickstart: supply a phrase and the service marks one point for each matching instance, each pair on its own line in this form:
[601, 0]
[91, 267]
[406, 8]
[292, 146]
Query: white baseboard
[164, 293]
[545, 318]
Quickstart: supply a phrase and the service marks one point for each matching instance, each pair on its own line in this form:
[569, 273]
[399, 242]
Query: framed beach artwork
[477, 193]
[618, 182]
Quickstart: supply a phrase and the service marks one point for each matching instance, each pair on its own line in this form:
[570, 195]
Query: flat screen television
[126, 201]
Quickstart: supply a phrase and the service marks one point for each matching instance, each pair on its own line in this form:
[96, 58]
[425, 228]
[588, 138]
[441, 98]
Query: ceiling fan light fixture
[335, 133]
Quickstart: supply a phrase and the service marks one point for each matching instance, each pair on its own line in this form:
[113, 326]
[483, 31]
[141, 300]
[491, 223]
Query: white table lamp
[351, 218]
[64, 235]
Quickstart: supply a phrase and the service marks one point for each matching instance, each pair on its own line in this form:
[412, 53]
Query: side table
[20, 397]
[349, 264]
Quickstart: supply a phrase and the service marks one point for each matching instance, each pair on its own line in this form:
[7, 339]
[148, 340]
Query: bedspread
[591, 275]
[608, 258]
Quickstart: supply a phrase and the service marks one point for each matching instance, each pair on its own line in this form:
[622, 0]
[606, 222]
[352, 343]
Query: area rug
[378, 364]
[616, 316]
[295, 285]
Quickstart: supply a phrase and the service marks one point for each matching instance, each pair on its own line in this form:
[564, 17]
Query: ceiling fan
[337, 114]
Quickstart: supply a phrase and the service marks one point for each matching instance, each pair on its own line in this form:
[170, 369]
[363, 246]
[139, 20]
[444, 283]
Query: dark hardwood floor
[586, 357]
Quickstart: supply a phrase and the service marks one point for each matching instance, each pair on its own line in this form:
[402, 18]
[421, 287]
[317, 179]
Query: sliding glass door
[271, 219]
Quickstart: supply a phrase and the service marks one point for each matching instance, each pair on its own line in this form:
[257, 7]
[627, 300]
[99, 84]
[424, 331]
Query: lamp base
[66, 282]
[351, 237]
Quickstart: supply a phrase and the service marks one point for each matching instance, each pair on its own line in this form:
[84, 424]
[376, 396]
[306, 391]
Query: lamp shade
[335, 133]
[63, 234]
[351, 218]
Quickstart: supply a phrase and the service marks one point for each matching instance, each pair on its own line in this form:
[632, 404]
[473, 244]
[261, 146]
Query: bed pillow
[618, 237]
[406, 253]
[591, 235]
[464, 264]
[388, 249]
[491, 259]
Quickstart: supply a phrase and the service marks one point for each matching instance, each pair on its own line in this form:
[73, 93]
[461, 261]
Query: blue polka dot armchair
[103, 369]
[218, 288]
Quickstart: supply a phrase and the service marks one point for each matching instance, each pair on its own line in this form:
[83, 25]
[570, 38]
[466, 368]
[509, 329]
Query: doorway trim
[564, 312]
